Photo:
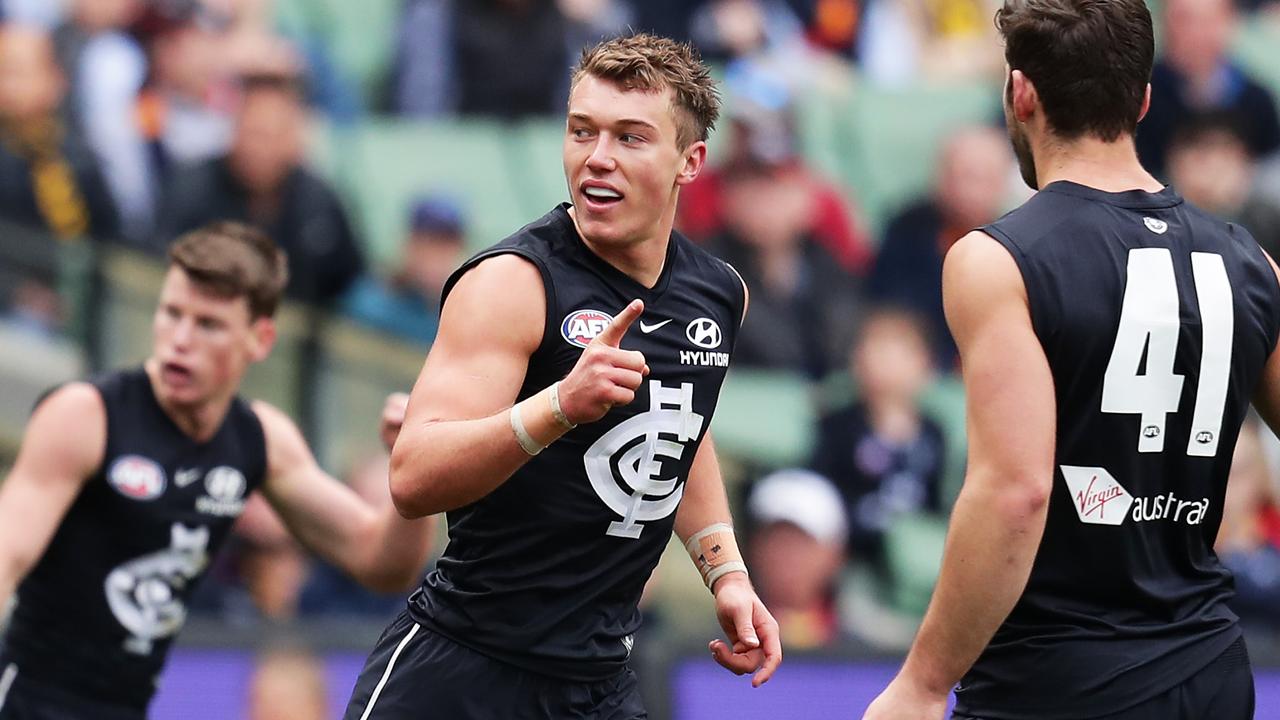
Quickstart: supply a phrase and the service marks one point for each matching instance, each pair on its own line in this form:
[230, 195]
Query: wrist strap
[523, 438]
[714, 550]
[556, 412]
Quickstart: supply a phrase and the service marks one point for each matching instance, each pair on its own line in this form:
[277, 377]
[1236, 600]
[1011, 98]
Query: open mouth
[175, 374]
[599, 197]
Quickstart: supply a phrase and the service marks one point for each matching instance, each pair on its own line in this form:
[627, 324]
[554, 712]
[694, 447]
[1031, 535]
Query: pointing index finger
[613, 334]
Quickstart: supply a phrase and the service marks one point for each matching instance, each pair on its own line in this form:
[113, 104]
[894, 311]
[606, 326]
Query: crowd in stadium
[133, 121]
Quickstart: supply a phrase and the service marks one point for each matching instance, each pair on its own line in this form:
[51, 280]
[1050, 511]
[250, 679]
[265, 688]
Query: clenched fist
[605, 375]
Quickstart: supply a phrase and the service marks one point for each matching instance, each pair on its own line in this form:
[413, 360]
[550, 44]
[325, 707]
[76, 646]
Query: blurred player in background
[561, 420]
[125, 486]
[1111, 337]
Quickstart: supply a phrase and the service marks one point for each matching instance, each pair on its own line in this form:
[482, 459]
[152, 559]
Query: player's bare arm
[459, 443]
[378, 548]
[999, 516]
[52, 466]
[753, 643]
[1267, 397]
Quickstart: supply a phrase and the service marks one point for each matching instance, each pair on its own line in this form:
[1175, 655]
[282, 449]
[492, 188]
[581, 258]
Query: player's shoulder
[1044, 215]
[280, 434]
[81, 401]
[520, 258]
[700, 260]
[551, 234]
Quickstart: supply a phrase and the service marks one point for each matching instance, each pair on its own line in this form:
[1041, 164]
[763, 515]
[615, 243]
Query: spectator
[106, 68]
[262, 181]
[590, 21]
[422, 72]
[905, 41]
[881, 452]
[761, 134]
[288, 684]
[1242, 544]
[187, 110]
[510, 58]
[970, 191]
[728, 30]
[1211, 166]
[759, 36]
[1195, 74]
[48, 178]
[797, 551]
[804, 306]
[408, 303]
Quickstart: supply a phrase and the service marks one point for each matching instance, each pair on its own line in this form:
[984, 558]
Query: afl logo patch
[705, 333]
[137, 478]
[580, 327]
[1158, 227]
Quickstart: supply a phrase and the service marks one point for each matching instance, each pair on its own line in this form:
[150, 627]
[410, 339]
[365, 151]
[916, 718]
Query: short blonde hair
[651, 63]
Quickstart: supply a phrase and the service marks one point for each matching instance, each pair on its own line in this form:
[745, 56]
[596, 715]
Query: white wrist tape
[523, 438]
[556, 412]
[714, 550]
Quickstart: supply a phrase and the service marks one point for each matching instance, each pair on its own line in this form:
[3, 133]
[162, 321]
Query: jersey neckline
[613, 273]
[154, 402]
[1130, 199]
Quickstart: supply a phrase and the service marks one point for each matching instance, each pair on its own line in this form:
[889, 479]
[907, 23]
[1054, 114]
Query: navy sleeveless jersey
[545, 572]
[96, 615]
[1157, 320]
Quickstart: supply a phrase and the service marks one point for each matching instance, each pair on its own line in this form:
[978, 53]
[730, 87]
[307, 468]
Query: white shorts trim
[6, 681]
[386, 674]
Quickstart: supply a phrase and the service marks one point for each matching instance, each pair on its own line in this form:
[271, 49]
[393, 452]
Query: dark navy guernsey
[546, 571]
[97, 614]
[1157, 320]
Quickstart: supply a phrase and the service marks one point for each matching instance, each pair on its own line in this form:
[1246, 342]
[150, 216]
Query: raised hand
[605, 375]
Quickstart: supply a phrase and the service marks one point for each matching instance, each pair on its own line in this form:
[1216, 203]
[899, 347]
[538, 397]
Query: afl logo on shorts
[580, 327]
[137, 478]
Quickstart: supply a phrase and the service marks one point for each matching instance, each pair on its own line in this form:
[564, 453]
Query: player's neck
[642, 260]
[201, 421]
[1088, 161]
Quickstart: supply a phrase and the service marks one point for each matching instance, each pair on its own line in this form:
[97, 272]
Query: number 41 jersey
[1156, 320]
[546, 571]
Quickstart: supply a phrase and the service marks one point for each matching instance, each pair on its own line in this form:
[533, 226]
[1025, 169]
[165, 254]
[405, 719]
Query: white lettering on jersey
[638, 465]
[141, 592]
[704, 358]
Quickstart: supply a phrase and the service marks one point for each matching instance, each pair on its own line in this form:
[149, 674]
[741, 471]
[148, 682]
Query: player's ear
[1025, 99]
[694, 157]
[263, 335]
[1146, 103]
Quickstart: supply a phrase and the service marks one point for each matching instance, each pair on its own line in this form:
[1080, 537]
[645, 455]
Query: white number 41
[1149, 320]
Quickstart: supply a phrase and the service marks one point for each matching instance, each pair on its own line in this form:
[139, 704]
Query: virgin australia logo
[1097, 497]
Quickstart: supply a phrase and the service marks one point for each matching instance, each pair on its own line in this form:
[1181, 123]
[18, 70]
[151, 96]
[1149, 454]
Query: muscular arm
[64, 445]
[1267, 397]
[375, 546]
[457, 444]
[999, 516]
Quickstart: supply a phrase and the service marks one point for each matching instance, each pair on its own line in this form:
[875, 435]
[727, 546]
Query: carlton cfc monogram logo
[625, 466]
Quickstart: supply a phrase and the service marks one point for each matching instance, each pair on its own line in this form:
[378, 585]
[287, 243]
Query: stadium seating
[388, 162]
[765, 418]
[359, 36]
